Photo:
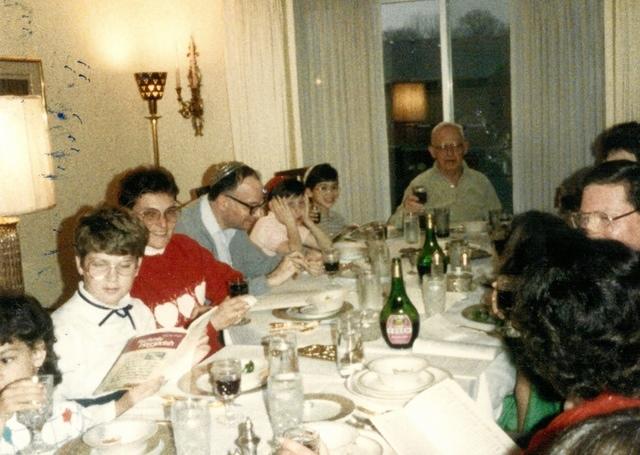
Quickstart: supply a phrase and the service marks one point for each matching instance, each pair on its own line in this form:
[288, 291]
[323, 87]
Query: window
[475, 76]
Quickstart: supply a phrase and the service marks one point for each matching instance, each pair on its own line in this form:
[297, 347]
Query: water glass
[441, 220]
[191, 422]
[285, 401]
[380, 258]
[411, 228]
[455, 249]
[282, 353]
[304, 436]
[369, 290]
[434, 294]
[34, 419]
[349, 349]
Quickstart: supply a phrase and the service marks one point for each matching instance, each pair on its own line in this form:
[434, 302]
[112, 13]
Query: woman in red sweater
[578, 316]
[178, 279]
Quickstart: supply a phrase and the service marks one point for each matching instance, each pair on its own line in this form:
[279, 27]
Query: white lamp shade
[26, 171]
[409, 102]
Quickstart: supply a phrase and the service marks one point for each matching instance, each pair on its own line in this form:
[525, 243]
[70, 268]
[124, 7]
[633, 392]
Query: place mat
[282, 313]
[161, 442]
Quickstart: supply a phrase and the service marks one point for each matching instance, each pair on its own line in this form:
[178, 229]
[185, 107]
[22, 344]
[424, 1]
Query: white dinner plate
[310, 312]
[197, 382]
[325, 406]
[371, 381]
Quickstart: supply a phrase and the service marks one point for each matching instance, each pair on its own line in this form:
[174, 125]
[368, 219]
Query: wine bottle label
[399, 329]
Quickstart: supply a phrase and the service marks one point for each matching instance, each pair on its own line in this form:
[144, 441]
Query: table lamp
[26, 183]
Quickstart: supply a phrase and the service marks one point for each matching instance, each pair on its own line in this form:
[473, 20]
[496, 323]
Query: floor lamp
[26, 183]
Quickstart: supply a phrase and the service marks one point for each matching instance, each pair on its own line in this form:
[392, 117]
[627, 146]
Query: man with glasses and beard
[220, 218]
[450, 182]
[609, 203]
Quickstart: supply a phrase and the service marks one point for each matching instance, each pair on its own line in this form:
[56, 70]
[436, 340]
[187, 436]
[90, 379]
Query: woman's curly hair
[578, 314]
[23, 319]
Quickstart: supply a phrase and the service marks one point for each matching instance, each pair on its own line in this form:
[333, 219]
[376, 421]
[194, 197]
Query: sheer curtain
[261, 86]
[622, 56]
[342, 106]
[557, 83]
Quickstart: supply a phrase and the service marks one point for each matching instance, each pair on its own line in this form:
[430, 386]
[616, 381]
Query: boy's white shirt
[86, 350]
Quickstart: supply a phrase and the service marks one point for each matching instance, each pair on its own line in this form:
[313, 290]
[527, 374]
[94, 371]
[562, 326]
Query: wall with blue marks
[90, 51]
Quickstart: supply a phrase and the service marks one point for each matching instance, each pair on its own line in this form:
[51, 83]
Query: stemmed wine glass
[331, 261]
[225, 377]
[239, 287]
[34, 419]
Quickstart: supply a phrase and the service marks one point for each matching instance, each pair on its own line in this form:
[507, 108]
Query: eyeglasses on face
[253, 208]
[456, 147]
[596, 221]
[100, 269]
[171, 215]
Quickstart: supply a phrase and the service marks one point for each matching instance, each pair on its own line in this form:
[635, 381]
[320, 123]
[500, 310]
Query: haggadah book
[443, 420]
[164, 352]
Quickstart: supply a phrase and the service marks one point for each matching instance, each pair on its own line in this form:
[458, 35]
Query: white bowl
[326, 302]
[475, 227]
[399, 371]
[123, 436]
[338, 437]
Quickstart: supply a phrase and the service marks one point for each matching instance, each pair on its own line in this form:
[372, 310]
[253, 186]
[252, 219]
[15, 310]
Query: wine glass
[331, 261]
[239, 287]
[225, 377]
[34, 419]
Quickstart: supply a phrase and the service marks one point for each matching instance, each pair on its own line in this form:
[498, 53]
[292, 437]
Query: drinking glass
[34, 419]
[420, 192]
[349, 349]
[331, 260]
[441, 219]
[434, 294]
[239, 287]
[304, 436]
[282, 354]
[191, 423]
[225, 377]
[411, 228]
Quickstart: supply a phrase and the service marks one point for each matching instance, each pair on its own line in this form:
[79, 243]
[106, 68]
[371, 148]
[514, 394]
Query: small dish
[324, 302]
[371, 382]
[399, 371]
[325, 406]
[120, 436]
[479, 313]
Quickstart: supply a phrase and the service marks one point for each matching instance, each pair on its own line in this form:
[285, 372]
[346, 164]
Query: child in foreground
[94, 325]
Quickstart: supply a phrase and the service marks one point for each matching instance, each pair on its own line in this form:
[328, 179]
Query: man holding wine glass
[450, 183]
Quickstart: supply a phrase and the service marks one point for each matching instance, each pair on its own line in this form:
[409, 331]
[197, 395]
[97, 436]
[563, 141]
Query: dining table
[469, 352]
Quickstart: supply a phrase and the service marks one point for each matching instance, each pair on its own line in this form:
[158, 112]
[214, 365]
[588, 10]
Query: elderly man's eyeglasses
[100, 269]
[596, 221]
[448, 147]
[253, 208]
[154, 215]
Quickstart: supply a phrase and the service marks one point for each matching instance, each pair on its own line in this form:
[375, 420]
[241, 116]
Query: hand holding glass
[34, 419]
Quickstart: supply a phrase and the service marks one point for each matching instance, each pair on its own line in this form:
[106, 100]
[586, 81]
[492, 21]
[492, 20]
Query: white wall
[101, 114]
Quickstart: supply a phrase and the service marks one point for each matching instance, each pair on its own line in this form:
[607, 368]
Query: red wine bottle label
[399, 329]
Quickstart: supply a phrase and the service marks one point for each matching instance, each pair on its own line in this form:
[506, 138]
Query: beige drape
[557, 86]
[342, 106]
[261, 93]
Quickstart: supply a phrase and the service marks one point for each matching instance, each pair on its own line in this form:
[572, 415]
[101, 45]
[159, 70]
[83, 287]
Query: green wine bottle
[425, 258]
[399, 319]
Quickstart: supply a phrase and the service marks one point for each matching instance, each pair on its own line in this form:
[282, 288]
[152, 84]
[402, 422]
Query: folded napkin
[439, 336]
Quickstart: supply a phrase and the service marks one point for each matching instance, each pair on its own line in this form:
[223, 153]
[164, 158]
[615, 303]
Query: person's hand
[306, 214]
[493, 297]
[20, 395]
[229, 312]
[199, 310]
[411, 204]
[314, 265]
[290, 447]
[282, 212]
[285, 270]
[138, 393]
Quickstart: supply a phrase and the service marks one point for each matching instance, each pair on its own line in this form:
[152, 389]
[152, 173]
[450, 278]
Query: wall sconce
[151, 87]
[194, 108]
[408, 102]
[26, 183]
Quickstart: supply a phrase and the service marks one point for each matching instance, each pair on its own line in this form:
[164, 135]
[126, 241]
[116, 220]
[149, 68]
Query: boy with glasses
[94, 325]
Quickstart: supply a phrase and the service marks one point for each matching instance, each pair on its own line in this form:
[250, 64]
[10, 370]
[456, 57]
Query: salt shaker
[247, 440]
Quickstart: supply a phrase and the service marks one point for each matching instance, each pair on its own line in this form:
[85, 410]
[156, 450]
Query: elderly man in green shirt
[450, 182]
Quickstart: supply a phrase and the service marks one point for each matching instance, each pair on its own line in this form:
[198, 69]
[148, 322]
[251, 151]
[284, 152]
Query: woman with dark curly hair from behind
[578, 315]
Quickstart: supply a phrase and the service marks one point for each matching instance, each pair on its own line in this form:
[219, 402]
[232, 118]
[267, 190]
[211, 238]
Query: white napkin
[439, 336]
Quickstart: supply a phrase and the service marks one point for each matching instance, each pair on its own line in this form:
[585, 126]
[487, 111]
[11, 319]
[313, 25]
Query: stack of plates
[367, 383]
